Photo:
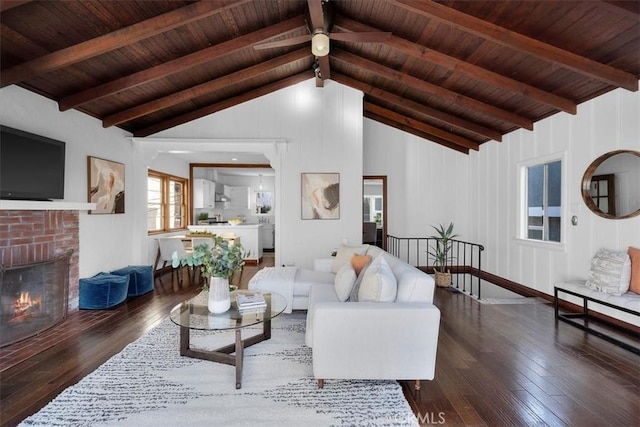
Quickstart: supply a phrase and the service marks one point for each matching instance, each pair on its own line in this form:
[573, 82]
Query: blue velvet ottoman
[140, 278]
[104, 290]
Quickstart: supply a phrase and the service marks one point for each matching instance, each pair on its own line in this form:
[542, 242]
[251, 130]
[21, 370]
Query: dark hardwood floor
[498, 365]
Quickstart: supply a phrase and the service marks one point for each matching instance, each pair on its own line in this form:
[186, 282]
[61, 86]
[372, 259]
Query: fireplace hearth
[33, 297]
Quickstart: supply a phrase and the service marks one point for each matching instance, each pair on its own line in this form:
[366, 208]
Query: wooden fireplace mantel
[30, 205]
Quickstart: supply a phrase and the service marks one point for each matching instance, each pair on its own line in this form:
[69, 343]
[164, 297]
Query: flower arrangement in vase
[217, 263]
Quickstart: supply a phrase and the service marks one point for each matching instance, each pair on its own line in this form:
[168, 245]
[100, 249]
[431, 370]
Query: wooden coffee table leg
[184, 340]
[266, 329]
[225, 354]
[239, 354]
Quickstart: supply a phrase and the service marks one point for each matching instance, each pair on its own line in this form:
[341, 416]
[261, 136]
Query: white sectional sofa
[363, 340]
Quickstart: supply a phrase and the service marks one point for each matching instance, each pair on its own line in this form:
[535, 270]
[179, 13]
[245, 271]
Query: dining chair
[369, 232]
[167, 246]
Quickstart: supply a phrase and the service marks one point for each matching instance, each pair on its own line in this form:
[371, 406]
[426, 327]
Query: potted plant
[440, 253]
[203, 218]
[217, 263]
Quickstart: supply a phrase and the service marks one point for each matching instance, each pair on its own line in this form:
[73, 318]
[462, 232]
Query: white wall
[607, 123]
[427, 184]
[322, 128]
[105, 240]
[324, 132]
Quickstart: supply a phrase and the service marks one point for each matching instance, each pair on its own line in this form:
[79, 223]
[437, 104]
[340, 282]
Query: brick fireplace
[36, 236]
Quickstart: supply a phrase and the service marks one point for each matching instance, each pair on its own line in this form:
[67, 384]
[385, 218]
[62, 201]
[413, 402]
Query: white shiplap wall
[607, 123]
[322, 128]
[429, 184]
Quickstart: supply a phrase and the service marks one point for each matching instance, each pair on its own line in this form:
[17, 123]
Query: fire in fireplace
[25, 306]
[33, 298]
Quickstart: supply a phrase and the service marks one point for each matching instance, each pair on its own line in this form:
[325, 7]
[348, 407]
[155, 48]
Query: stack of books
[251, 302]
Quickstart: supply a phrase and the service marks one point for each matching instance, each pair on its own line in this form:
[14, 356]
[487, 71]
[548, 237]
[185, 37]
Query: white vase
[219, 297]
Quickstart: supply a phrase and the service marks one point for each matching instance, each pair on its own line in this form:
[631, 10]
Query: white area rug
[150, 384]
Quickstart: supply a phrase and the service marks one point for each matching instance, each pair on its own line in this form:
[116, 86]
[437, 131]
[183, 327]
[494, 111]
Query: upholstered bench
[613, 281]
[628, 302]
[140, 278]
[104, 290]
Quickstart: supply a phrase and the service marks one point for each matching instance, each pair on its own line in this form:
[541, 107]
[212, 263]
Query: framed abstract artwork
[106, 185]
[320, 196]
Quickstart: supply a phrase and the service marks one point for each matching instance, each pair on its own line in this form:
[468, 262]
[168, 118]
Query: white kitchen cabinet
[203, 193]
[268, 240]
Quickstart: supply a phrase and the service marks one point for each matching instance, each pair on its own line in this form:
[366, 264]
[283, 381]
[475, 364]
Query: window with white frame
[542, 204]
[166, 202]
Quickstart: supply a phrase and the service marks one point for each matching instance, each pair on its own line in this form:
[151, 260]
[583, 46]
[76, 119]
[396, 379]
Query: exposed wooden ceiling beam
[519, 42]
[227, 103]
[204, 88]
[404, 127]
[10, 4]
[180, 64]
[447, 120]
[630, 8]
[325, 71]
[316, 14]
[423, 127]
[113, 40]
[473, 71]
[421, 85]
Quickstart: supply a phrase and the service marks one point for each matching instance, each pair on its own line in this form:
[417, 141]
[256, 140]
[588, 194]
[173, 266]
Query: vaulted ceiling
[458, 73]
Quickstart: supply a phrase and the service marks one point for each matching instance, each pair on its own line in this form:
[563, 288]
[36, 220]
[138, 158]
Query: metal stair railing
[465, 261]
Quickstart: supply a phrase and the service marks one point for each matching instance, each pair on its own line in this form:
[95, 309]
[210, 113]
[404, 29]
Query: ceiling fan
[321, 21]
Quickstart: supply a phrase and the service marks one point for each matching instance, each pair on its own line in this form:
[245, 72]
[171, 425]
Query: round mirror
[610, 185]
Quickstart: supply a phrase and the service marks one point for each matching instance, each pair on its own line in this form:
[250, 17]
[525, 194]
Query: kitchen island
[250, 237]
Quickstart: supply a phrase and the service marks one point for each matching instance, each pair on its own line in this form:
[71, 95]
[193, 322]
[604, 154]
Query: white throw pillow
[378, 284]
[344, 281]
[610, 272]
[345, 252]
[356, 286]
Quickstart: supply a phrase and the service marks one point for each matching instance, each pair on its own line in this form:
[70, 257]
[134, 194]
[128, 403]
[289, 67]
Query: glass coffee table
[194, 314]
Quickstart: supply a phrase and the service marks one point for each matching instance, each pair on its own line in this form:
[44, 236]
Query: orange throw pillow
[359, 261]
[634, 254]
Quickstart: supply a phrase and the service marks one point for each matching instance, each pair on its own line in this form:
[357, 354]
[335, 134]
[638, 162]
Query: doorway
[374, 207]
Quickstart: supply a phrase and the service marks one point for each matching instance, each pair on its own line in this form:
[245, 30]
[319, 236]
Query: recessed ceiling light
[235, 159]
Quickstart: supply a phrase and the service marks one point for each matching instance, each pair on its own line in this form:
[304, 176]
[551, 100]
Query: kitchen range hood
[220, 190]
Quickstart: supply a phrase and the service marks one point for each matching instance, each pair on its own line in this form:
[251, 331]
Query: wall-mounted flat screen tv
[31, 166]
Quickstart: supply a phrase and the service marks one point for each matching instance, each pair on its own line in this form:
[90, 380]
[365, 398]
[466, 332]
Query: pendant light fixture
[320, 43]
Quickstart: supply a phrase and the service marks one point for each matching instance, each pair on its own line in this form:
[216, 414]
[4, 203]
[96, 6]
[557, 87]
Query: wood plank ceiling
[458, 73]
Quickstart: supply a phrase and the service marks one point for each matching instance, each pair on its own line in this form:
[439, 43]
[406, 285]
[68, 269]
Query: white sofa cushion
[610, 272]
[306, 278]
[353, 296]
[321, 293]
[378, 284]
[413, 284]
[344, 254]
[344, 281]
